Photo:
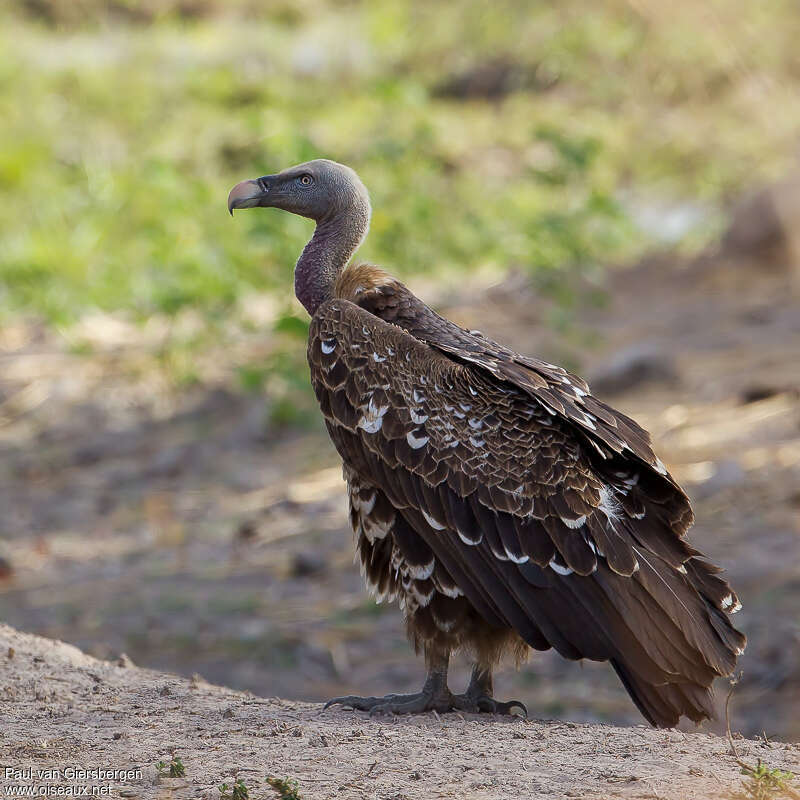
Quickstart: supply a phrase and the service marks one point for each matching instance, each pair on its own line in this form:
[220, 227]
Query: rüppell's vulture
[500, 503]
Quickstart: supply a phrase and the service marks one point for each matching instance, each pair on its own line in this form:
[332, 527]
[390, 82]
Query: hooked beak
[248, 194]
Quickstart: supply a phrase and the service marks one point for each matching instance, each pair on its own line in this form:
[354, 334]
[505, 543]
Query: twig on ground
[777, 778]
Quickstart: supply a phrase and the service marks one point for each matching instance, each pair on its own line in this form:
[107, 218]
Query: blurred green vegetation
[511, 134]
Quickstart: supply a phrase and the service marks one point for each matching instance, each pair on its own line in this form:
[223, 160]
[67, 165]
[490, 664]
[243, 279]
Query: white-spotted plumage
[422, 573]
[523, 559]
[415, 442]
[470, 539]
[375, 529]
[434, 523]
[372, 418]
[561, 570]
[609, 504]
[448, 591]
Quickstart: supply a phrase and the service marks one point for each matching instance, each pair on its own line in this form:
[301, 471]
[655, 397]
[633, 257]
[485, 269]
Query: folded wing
[548, 509]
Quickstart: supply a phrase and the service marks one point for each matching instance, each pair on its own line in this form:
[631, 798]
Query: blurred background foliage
[546, 137]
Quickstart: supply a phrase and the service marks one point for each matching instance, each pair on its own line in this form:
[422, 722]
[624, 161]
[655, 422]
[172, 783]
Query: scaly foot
[419, 703]
[423, 701]
[435, 695]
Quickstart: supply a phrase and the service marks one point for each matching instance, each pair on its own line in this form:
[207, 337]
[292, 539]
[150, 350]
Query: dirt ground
[181, 529]
[66, 711]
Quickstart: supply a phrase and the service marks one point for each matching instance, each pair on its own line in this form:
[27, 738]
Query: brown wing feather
[565, 394]
[539, 532]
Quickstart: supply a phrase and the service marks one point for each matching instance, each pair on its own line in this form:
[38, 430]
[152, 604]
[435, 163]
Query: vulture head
[320, 190]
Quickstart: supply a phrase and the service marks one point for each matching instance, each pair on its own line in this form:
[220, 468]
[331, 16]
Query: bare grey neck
[325, 256]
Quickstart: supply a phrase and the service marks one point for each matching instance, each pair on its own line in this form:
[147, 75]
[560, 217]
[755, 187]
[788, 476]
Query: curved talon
[355, 702]
[488, 705]
[507, 708]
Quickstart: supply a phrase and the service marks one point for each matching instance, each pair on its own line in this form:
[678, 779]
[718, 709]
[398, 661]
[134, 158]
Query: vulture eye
[306, 180]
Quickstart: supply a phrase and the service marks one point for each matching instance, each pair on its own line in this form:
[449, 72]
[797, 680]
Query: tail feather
[689, 608]
[655, 631]
[666, 640]
[704, 576]
[663, 705]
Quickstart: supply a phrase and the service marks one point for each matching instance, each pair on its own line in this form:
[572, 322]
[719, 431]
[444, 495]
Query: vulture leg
[478, 696]
[435, 696]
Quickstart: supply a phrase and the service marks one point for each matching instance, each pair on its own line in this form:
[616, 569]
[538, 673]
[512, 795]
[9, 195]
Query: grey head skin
[335, 198]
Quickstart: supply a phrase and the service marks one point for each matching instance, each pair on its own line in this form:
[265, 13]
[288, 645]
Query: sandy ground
[64, 710]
